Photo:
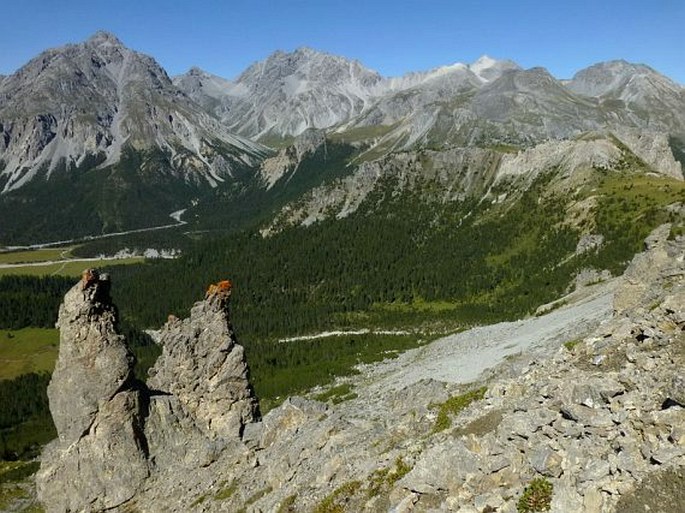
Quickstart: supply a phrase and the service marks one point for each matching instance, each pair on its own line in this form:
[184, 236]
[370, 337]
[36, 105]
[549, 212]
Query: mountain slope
[634, 94]
[479, 174]
[98, 128]
[487, 102]
[286, 93]
[94, 99]
[96, 138]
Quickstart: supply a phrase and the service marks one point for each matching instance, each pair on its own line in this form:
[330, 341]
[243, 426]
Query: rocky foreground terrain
[578, 410]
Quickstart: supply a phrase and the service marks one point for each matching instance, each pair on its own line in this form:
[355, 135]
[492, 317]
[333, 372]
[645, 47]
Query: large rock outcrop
[100, 457]
[89, 346]
[205, 369]
[117, 434]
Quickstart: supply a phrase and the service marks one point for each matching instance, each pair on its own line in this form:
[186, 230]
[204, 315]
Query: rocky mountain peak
[306, 67]
[648, 99]
[95, 99]
[117, 433]
[609, 78]
[286, 93]
[537, 103]
[104, 38]
[196, 72]
[488, 69]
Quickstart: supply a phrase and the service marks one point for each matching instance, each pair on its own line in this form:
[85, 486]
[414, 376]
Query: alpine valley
[455, 290]
[96, 138]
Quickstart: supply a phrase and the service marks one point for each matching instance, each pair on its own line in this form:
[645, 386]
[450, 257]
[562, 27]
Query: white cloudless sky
[390, 36]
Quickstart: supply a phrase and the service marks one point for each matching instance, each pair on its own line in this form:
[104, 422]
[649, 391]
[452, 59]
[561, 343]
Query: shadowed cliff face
[114, 432]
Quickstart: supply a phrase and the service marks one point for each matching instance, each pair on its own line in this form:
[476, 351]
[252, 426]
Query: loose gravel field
[464, 357]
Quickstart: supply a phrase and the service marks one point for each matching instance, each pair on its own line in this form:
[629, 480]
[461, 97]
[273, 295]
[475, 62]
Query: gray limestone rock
[676, 390]
[565, 498]
[102, 470]
[643, 271]
[445, 467]
[546, 461]
[99, 460]
[203, 366]
[94, 361]
[173, 438]
[116, 436]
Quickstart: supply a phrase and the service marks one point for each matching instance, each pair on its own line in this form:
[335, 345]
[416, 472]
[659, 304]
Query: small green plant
[288, 504]
[570, 344]
[199, 501]
[15, 472]
[676, 231]
[454, 405]
[337, 394]
[226, 491]
[33, 508]
[401, 470]
[377, 481]
[254, 498]
[537, 496]
[14, 475]
[336, 501]
[383, 479]
[10, 495]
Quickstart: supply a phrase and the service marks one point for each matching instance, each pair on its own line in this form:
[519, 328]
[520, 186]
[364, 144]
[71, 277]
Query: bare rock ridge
[115, 432]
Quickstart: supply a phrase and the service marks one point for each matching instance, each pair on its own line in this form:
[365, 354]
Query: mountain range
[290, 92]
[96, 138]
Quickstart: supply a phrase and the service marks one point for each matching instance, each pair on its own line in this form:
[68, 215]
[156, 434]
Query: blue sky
[390, 36]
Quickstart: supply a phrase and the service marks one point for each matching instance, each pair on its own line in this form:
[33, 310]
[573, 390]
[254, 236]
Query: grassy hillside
[27, 350]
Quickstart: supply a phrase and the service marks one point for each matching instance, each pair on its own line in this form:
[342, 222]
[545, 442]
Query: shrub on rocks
[537, 496]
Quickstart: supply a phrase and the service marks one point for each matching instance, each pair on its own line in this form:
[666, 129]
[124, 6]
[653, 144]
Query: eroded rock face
[641, 277]
[89, 346]
[205, 369]
[100, 458]
[117, 435]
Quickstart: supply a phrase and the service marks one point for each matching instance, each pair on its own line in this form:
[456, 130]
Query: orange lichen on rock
[88, 277]
[223, 288]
